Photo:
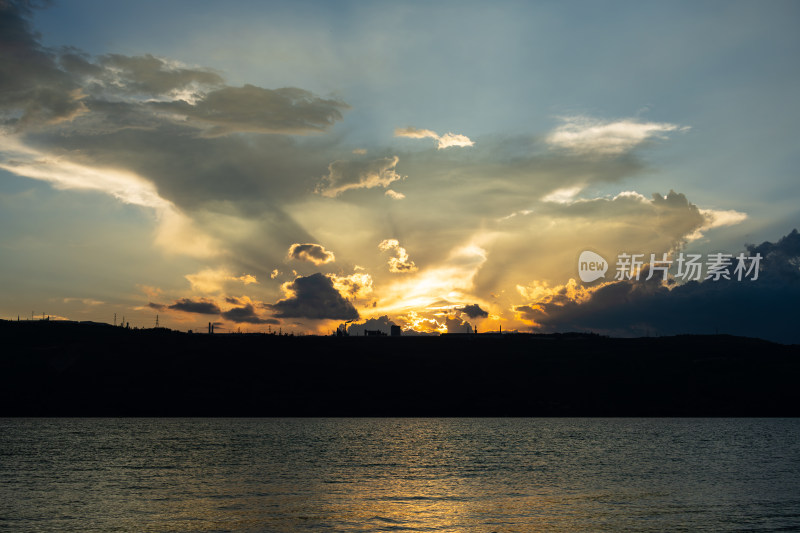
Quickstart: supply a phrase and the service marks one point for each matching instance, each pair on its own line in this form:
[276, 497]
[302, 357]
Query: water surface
[443, 475]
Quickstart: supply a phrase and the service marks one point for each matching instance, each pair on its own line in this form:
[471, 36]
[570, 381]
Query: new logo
[591, 266]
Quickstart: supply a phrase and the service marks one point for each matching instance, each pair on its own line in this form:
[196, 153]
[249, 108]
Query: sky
[440, 166]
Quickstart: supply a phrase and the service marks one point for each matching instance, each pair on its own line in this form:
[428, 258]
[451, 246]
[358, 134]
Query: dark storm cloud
[44, 85]
[193, 172]
[218, 182]
[154, 117]
[202, 306]
[214, 180]
[766, 307]
[159, 307]
[78, 63]
[33, 90]
[246, 314]
[258, 110]
[456, 325]
[314, 297]
[474, 311]
[382, 324]
[781, 259]
[146, 74]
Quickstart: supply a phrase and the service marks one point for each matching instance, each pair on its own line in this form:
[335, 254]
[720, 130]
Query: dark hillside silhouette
[73, 369]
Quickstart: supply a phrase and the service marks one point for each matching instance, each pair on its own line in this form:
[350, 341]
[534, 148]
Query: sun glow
[450, 282]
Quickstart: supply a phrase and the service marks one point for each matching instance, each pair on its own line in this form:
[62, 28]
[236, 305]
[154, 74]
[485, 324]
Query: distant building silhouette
[374, 333]
[396, 331]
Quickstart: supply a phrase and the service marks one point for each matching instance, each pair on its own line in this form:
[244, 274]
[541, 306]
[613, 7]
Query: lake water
[459, 475]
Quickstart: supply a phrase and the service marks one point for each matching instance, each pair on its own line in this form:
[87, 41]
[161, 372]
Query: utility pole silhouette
[156, 320]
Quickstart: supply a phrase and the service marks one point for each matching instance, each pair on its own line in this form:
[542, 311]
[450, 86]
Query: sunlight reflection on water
[481, 475]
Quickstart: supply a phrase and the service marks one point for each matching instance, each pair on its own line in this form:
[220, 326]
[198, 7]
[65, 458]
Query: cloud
[33, 90]
[474, 311]
[123, 185]
[669, 217]
[313, 253]
[149, 131]
[246, 314]
[85, 301]
[762, 308]
[356, 285]
[212, 280]
[515, 172]
[457, 325]
[451, 139]
[153, 132]
[176, 233]
[444, 141]
[394, 195]
[346, 175]
[41, 86]
[202, 306]
[716, 219]
[782, 259]
[414, 323]
[539, 291]
[143, 74]
[382, 324]
[563, 196]
[439, 286]
[585, 135]
[415, 133]
[400, 263]
[258, 110]
[544, 244]
[313, 297]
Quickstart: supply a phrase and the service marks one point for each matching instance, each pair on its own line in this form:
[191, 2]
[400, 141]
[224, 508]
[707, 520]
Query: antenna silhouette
[156, 320]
